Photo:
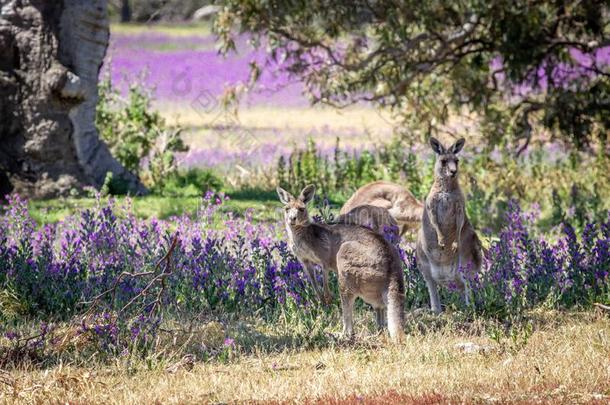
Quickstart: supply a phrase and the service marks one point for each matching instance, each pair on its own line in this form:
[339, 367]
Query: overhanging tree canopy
[514, 62]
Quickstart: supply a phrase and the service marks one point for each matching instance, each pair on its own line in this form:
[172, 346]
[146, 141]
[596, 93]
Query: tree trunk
[125, 11]
[50, 56]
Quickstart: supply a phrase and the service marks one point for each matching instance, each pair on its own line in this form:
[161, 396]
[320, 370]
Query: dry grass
[566, 361]
[355, 126]
[303, 118]
[201, 29]
[358, 127]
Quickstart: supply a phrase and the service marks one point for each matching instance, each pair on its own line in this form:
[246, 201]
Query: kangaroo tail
[396, 304]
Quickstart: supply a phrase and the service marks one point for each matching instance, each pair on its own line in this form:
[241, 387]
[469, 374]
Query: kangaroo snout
[292, 217]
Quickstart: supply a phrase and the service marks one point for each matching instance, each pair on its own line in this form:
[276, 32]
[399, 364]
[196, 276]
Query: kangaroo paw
[441, 241]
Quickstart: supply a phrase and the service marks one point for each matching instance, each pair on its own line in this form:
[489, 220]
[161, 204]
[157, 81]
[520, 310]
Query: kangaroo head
[446, 166]
[295, 209]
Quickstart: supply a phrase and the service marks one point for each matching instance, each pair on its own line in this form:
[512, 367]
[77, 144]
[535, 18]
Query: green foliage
[575, 189]
[430, 60]
[11, 305]
[128, 127]
[114, 185]
[191, 183]
[136, 134]
[513, 340]
[162, 165]
[146, 11]
[343, 172]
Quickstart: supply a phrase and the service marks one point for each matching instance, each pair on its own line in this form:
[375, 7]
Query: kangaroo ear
[284, 195]
[437, 147]
[308, 193]
[456, 147]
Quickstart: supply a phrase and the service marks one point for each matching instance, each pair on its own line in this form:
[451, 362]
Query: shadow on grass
[256, 194]
[270, 196]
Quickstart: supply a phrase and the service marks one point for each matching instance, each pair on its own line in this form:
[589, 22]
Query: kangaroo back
[376, 218]
[398, 200]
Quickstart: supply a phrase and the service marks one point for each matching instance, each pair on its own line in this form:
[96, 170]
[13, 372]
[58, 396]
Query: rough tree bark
[50, 56]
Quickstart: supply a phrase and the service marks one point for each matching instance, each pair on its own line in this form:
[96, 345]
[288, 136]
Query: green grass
[185, 29]
[153, 206]
[263, 203]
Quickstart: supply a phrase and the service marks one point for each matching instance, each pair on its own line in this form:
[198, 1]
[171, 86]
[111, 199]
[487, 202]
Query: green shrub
[114, 185]
[137, 136]
[575, 189]
[193, 182]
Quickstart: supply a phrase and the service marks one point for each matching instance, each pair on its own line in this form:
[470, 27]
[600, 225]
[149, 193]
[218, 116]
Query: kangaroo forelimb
[434, 221]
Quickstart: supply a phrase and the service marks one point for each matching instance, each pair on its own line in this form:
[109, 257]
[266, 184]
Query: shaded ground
[565, 360]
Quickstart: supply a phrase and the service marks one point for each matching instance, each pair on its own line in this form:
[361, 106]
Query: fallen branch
[602, 306]
[157, 280]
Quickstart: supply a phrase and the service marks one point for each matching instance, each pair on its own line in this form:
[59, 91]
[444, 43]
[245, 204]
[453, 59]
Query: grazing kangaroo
[366, 264]
[400, 203]
[446, 240]
[376, 218]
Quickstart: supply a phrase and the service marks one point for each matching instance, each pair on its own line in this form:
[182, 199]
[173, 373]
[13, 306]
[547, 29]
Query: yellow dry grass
[355, 126]
[277, 117]
[566, 362]
[181, 30]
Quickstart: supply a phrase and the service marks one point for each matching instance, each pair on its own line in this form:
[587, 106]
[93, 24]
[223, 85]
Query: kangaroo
[375, 218]
[366, 264]
[446, 240]
[400, 203]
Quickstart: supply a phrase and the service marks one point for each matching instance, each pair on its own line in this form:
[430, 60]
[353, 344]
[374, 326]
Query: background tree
[515, 63]
[144, 11]
[125, 11]
[50, 56]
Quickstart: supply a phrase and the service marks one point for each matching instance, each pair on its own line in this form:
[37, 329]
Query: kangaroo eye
[301, 209]
[443, 162]
[286, 209]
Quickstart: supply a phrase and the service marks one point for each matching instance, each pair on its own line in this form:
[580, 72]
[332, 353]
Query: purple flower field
[262, 152]
[51, 271]
[186, 76]
[187, 73]
[186, 68]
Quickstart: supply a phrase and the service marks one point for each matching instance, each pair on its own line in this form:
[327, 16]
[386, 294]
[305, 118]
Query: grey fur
[367, 265]
[446, 240]
[398, 200]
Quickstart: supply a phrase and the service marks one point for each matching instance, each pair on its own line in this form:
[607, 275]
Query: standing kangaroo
[446, 240]
[366, 264]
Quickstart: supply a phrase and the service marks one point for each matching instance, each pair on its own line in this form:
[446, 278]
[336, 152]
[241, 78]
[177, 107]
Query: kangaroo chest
[301, 248]
[447, 207]
[443, 273]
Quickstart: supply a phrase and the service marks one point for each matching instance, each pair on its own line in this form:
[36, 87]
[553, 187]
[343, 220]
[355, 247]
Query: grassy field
[566, 359]
[245, 350]
[264, 206]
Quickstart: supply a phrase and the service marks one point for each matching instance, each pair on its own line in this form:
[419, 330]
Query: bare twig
[157, 280]
[602, 306]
